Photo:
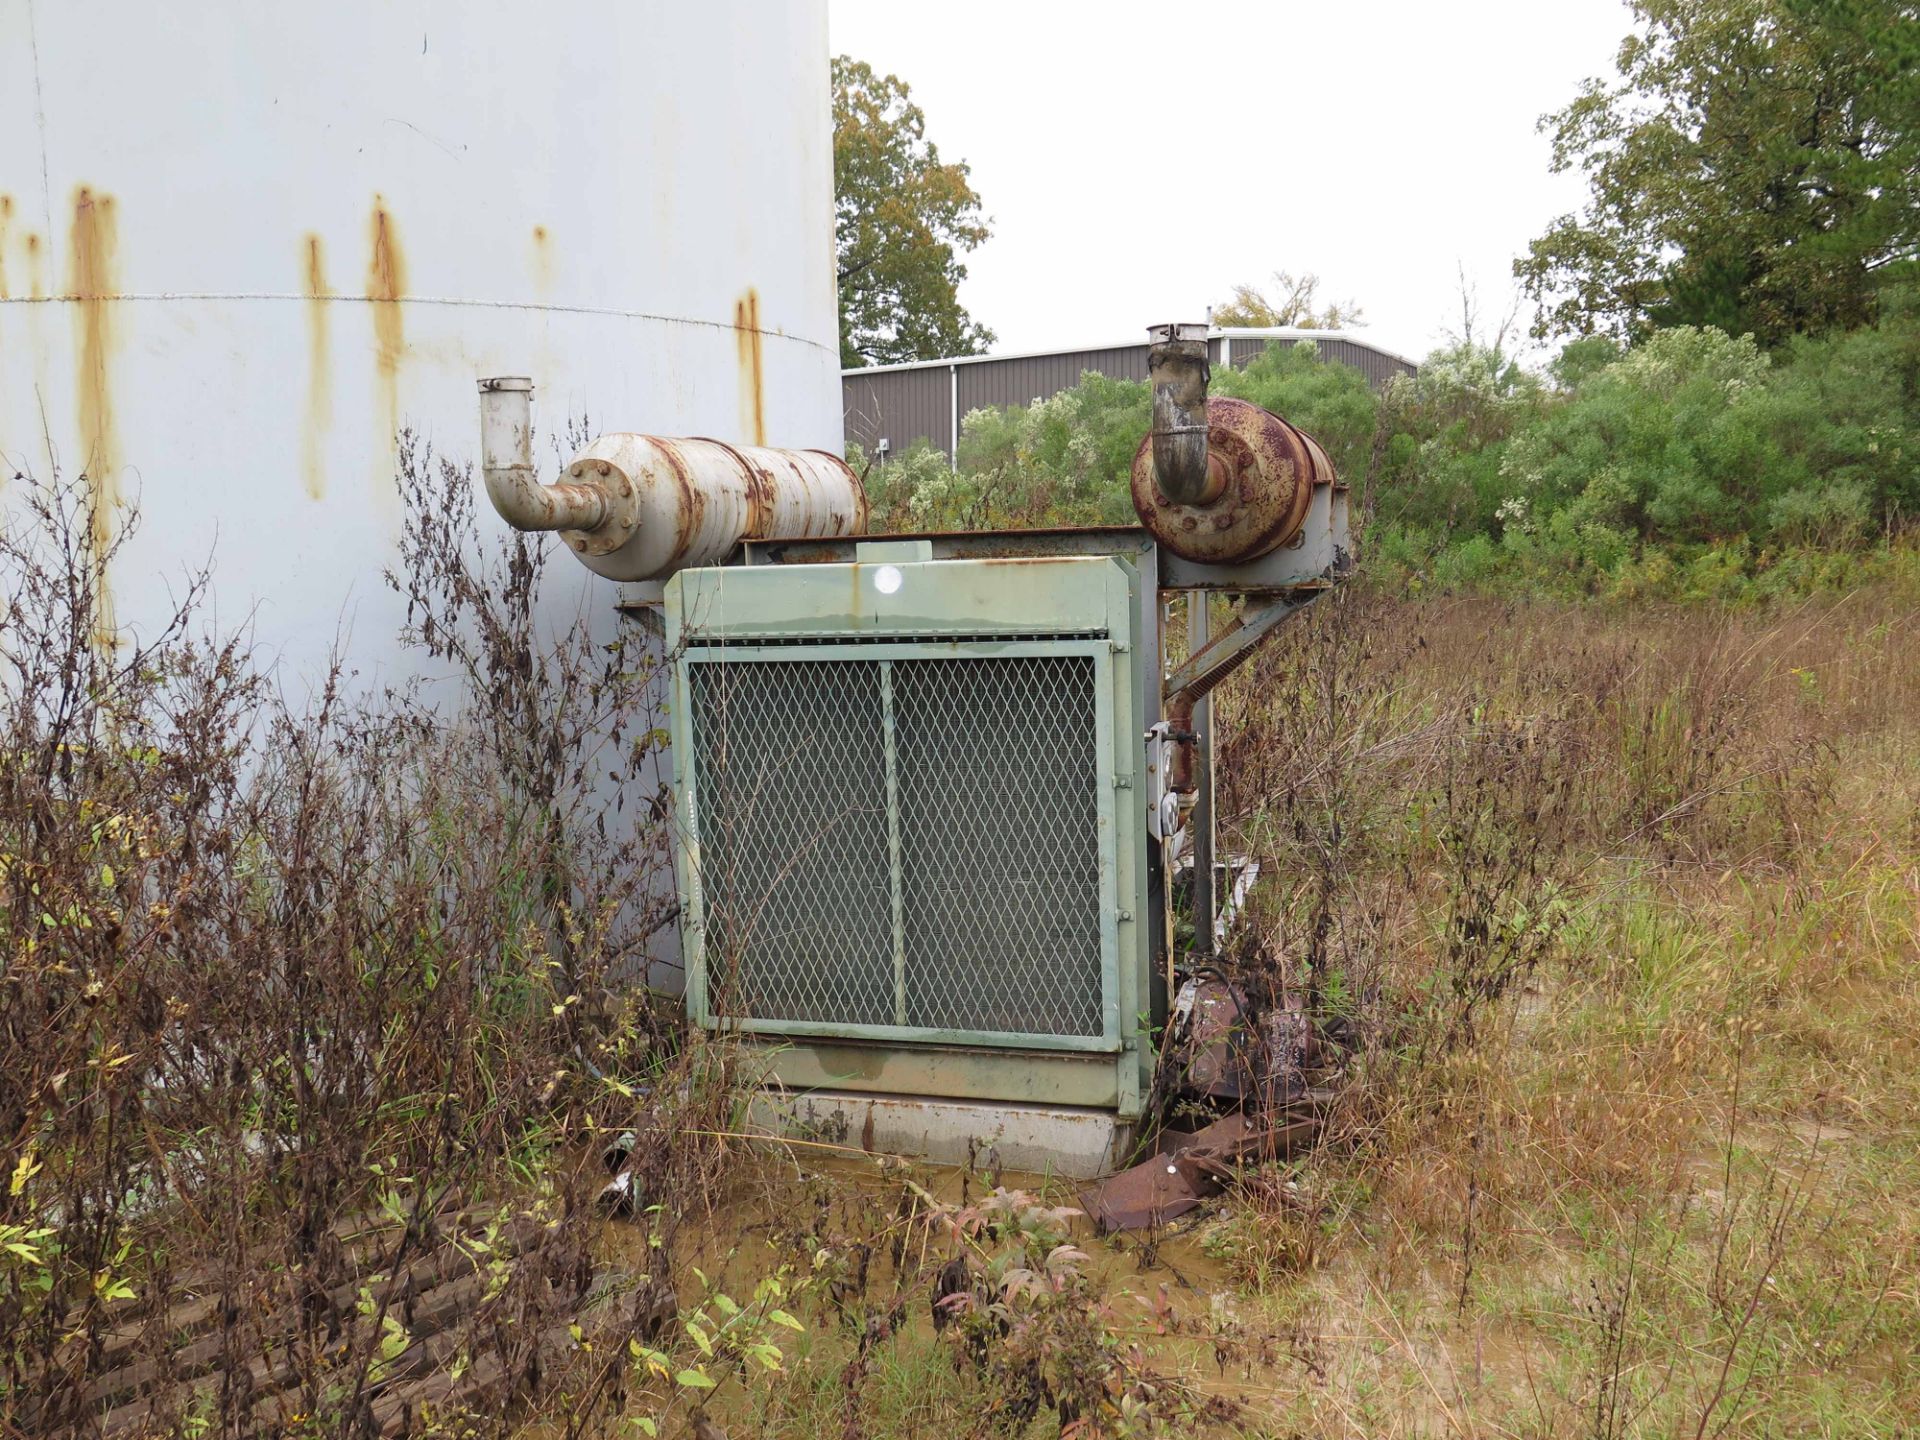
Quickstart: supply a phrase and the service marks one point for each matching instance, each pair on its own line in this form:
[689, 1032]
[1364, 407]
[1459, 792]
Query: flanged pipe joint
[1218, 481]
[639, 507]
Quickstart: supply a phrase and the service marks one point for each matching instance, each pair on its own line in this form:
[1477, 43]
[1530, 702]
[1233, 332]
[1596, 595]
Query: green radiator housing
[913, 849]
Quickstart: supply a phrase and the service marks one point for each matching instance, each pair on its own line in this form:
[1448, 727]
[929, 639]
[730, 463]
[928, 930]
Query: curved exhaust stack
[590, 505]
[1178, 369]
[639, 507]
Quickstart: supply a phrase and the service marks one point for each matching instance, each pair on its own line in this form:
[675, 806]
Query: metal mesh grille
[791, 785]
[999, 832]
[949, 880]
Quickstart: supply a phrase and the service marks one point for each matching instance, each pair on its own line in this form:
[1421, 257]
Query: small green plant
[718, 1339]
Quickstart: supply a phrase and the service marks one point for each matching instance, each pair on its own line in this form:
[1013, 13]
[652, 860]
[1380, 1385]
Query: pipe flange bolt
[622, 507]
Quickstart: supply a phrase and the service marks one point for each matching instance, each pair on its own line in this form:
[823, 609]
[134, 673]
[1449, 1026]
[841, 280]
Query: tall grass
[1626, 929]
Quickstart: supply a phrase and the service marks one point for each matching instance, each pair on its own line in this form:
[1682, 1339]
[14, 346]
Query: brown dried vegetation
[1619, 911]
[311, 1006]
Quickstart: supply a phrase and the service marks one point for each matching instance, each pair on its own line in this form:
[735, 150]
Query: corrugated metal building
[928, 398]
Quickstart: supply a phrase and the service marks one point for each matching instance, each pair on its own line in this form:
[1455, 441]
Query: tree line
[1735, 398]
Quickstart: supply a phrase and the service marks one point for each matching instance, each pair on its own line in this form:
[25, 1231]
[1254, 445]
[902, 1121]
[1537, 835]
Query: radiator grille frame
[706, 989]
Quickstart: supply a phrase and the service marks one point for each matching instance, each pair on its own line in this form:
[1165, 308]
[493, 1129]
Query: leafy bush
[1331, 402]
[908, 491]
[1692, 466]
[1065, 460]
[1446, 430]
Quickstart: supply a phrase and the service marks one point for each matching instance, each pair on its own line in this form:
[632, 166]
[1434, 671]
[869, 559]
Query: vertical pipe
[1200, 821]
[1184, 470]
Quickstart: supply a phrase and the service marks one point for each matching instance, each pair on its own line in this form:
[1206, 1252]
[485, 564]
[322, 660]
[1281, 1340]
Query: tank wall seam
[537, 307]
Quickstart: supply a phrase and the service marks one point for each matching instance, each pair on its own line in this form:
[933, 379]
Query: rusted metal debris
[1190, 1168]
[1261, 1069]
[1218, 1067]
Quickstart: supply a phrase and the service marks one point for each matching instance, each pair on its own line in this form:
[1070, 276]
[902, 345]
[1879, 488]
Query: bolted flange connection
[596, 509]
[622, 515]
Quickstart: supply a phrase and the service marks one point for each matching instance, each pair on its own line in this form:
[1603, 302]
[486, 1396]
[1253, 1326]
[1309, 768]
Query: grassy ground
[1622, 910]
[1667, 1185]
[1615, 912]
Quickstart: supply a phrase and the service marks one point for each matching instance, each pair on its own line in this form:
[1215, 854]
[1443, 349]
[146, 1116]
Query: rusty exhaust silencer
[639, 507]
[1218, 481]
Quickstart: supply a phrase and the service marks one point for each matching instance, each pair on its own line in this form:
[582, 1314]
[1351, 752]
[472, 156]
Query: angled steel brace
[1230, 649]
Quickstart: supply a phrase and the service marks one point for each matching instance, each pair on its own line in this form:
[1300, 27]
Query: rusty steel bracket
[1197, 676]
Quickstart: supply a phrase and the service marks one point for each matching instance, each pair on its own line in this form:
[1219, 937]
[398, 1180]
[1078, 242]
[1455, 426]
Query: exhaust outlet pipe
[590, 505]
[1177, 366]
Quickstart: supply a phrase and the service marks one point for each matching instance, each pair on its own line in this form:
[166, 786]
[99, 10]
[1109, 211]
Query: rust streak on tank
[36, 268]
[92, 247]
[542, 257]
[753, 398]
[6, 224]
[313, 458]
[386, 287]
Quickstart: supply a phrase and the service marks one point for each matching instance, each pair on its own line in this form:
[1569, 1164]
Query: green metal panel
[913, 841]
[1136, 1064]
[1028, 1076]
[932, 597]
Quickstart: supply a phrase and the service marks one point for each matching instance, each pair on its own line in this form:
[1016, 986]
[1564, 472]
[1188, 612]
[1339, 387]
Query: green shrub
[1693, 466]
[1330, 401]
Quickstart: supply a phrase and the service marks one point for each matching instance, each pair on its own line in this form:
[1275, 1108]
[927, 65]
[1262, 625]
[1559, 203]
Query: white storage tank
[242, 245]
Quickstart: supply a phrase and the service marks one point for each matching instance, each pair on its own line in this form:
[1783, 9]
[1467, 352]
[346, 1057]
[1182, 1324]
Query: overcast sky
[1380, 145]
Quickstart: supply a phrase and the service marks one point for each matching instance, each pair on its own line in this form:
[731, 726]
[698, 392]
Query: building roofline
[1231, 332]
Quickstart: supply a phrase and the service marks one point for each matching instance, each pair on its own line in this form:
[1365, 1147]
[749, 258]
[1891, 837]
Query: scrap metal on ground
[1253, 1071]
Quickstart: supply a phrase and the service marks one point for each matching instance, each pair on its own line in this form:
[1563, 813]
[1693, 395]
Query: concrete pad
[1074, 1143]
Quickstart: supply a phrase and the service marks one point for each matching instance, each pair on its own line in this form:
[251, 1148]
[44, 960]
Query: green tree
[1674, 442]
[1755, 168]
[1291, 303]
[1330, 401]
[902, 217]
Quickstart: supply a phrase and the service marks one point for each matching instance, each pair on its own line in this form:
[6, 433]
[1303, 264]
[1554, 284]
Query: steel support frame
[1211, 659]
[1197, 677]
[1200, 821]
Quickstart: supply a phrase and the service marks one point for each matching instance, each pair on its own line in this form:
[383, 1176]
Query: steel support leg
[1200, 820]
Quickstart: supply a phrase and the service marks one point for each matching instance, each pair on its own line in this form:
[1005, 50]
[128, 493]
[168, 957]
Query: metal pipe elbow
[506, 463]
[1178, 369]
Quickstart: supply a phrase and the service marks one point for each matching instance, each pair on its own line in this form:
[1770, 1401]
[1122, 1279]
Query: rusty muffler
[1218, 481]
[639, 507]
